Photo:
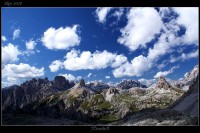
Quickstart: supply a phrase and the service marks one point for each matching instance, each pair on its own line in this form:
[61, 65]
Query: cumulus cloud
[119, 60]
[55, 65]
[101, 13]
[142, 25]
[136, 67]
[30, 45]
[188, 17]
[107, 77]
[10, 53]
[89, 75]
[16, 33]
[3, 38]
[21, 71]
[165, 44]
[165, 73]
[61, 38]
[71, 77]
[87, 60]
[68, 77]
[159, 49]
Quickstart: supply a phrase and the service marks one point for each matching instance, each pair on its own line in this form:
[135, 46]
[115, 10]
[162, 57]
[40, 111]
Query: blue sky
[108, 44]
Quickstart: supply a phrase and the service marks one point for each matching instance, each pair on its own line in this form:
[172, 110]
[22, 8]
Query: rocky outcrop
[127, 84]
[137, 91]
[162, 83]
[60, 83]
[164, 117]
[110, 93]
[189, 102]
[13, 98]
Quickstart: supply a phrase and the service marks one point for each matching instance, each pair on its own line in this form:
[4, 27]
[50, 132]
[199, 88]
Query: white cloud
[89, 75]
[107, 77]
[55, 66]
[30, 52]
[118, 13]
[71, 77]
[137, 67]
[188, 17]
[119, 60]
[190, 55]
[165, 73]
[16, 33]
[15, 72]
[79, 77]
[184, 56]
[30, 45]
[87, 60]
[61, 38]
[147, 82]
[68, 77]
[160, 66]
[142, 25]
[10, 53]
[7, 83]
[101, 13]
[159, 49]
[165, 44]
[3, 38]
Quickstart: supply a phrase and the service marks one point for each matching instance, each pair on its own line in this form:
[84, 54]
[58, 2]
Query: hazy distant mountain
[97, 86]
[127, 84]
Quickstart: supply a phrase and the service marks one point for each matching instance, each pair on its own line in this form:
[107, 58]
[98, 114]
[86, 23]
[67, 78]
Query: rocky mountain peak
[127, 84]
[60, 81]
[192, 74]
[46, 79]
[110, 93]
[80, 84]
[162, 83]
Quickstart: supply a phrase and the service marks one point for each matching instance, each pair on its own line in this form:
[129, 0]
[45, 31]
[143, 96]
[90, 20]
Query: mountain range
[96, 103]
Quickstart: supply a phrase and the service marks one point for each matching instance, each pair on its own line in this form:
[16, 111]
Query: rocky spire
[80, 84]
[162, 83]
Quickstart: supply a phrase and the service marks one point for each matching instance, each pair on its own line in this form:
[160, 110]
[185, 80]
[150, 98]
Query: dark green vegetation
[108, 118]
